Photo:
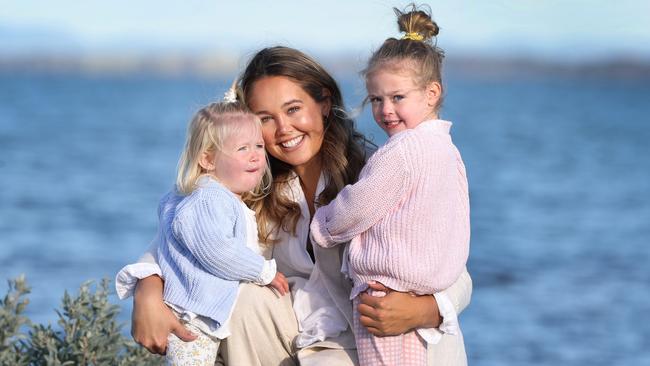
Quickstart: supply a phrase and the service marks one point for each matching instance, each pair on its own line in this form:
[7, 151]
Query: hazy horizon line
[217, 64]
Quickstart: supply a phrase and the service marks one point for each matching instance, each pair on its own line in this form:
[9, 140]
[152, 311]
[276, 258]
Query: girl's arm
[381, 185]
[205, 227]
[400, 312]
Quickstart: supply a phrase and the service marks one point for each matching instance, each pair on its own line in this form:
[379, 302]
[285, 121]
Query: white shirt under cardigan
[322, 308]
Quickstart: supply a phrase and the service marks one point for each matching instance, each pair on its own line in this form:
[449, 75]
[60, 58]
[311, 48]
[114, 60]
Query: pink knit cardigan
[407, 216]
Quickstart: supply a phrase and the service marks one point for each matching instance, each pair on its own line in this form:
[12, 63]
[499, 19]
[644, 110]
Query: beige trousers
[263, 327]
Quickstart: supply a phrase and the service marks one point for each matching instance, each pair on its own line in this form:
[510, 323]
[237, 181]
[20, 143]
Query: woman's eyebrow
[291, 102]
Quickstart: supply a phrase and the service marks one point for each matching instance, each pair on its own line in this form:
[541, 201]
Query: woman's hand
[397, 312]
[280, 283]
[151, 320]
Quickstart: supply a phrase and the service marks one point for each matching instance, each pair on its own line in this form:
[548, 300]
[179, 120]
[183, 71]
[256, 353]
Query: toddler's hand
[280, 283]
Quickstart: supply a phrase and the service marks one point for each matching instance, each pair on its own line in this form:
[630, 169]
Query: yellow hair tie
[415, 36]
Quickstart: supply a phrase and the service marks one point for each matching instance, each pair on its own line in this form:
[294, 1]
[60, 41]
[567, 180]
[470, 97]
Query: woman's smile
[290, 144]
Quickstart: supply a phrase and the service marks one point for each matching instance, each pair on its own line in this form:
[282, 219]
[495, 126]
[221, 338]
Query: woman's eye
[265, 118]
[292, 110]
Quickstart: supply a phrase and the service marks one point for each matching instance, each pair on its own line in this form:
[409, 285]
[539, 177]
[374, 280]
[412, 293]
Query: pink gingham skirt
[407, 349]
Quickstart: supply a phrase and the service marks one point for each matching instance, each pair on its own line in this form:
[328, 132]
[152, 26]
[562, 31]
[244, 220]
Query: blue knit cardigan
[203, 253]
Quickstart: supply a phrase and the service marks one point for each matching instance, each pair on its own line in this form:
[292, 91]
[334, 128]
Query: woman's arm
[151, 320]
[400, 312]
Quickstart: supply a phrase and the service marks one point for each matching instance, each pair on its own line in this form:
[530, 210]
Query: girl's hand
[151, 320]
[397, 312]
[280, 283]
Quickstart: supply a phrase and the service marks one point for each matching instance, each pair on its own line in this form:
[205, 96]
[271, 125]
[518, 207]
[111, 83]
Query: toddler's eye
[260, 146]
[375, 100]
[397, 98]
[242, 148]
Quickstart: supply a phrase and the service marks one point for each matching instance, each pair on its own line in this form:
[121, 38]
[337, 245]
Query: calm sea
[559, 172]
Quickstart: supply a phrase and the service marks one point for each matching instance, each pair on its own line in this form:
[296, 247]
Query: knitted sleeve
[382, 184]
[205, 226]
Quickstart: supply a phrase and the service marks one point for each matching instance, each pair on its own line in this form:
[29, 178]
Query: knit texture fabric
[407, 215]
[203, 254]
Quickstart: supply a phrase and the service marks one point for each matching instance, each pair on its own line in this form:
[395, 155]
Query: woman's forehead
[274, 92]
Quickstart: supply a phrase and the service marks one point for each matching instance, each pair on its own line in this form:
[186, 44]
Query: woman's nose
[282, 125]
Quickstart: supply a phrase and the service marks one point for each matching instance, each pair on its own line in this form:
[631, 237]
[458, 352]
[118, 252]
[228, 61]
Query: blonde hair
[343, 150]
[207, 132]
[417, 47]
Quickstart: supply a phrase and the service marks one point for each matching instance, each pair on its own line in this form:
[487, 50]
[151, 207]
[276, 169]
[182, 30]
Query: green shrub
[88, 332]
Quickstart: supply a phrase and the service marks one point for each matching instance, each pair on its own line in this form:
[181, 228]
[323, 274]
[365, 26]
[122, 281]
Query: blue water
[560, 189]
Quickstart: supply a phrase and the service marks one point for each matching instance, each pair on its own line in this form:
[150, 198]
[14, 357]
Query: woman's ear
[206, 161]
[433, 92]
[326, 104]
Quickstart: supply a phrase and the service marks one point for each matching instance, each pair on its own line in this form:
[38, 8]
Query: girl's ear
[206, 161]
[433, 92]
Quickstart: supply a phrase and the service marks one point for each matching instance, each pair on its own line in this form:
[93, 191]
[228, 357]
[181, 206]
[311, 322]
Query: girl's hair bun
[416, 20]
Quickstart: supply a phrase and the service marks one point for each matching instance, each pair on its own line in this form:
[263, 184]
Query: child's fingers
[285, 285]
[279, 286]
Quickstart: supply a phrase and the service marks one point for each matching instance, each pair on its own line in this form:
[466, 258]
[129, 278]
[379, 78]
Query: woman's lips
[289, 144]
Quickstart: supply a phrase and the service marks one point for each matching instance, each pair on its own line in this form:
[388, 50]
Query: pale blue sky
[547, 28]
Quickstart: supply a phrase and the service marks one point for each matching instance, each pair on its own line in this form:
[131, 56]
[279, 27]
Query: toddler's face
[240, 164]
[398, 103]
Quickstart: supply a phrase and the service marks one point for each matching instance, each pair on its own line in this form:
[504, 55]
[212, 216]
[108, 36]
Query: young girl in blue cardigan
[208, 236]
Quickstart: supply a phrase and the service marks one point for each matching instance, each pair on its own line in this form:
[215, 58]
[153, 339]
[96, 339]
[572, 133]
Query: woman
[314, 152]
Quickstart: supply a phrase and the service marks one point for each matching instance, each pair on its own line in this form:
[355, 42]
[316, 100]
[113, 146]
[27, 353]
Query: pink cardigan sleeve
[382, 184]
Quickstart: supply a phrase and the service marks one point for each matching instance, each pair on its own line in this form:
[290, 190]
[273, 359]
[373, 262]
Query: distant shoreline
[225, 65]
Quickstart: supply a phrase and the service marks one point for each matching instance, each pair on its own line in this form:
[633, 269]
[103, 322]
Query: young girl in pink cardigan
[408, 215]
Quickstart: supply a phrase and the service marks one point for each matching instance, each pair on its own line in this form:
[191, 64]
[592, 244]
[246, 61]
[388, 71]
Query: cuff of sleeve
[318, 232]
[449, 323]
[430, 335]
[268, 272]
[128, 277]
[448, 313]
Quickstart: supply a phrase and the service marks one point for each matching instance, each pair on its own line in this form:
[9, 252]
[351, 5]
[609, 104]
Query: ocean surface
[559, 173]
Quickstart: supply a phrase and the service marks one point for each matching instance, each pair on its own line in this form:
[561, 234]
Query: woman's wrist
[148, 289]
[428, 312]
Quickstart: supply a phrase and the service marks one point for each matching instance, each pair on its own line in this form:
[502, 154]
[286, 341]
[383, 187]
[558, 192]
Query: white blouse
[319, 315]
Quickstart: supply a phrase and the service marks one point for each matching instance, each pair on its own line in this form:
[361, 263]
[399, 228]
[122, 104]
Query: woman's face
[292, 121]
